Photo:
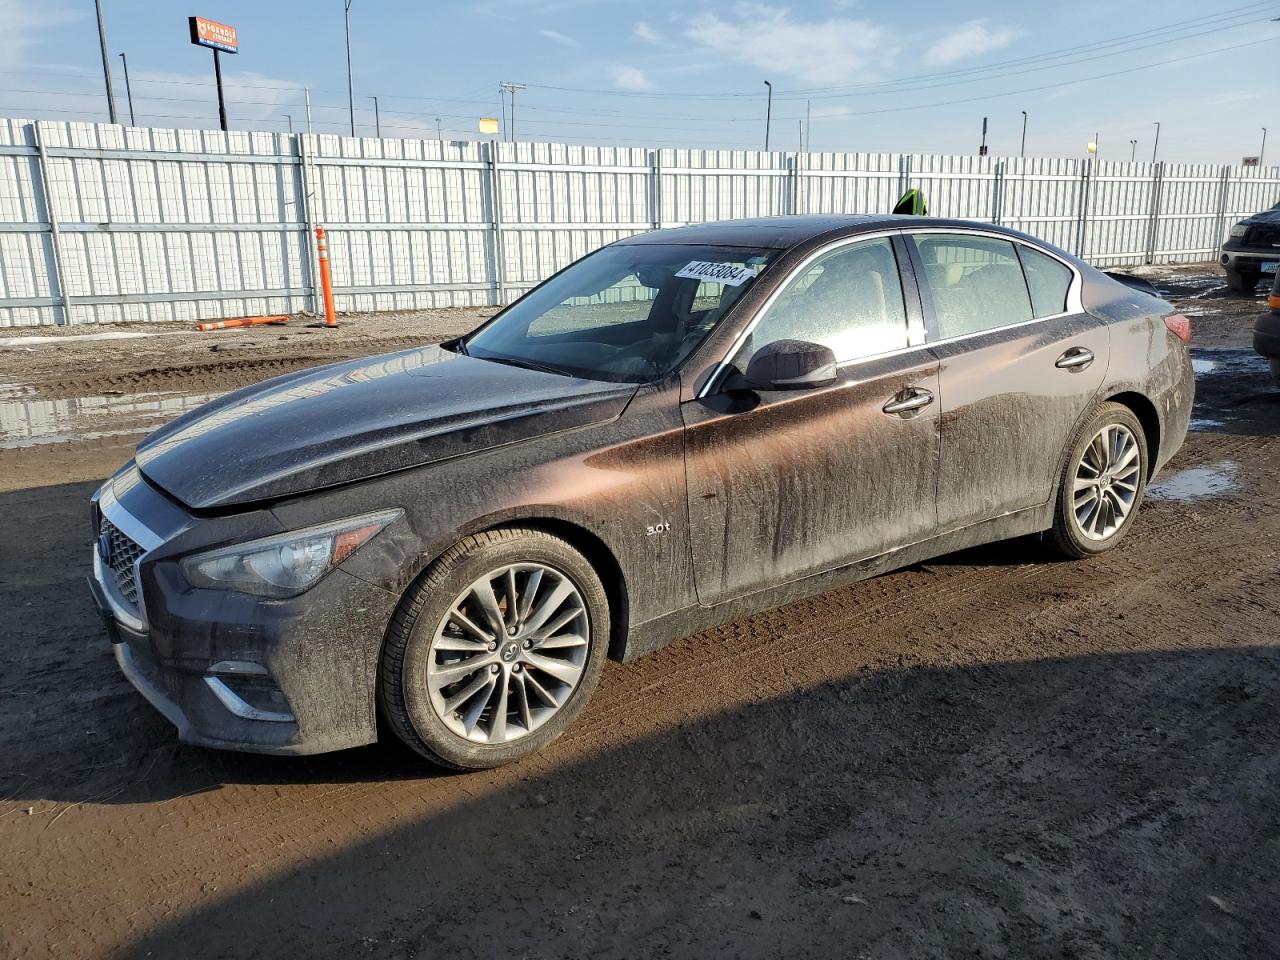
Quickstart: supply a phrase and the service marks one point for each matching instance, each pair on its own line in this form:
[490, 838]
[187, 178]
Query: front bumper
[1243, 260]
[240, 673]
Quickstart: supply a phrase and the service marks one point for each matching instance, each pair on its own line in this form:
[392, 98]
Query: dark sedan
[680, 428]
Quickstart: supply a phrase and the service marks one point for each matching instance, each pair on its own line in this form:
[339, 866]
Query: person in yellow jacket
[912, 203]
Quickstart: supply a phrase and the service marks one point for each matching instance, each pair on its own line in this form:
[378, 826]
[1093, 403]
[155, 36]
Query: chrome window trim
[1074, 302]
[917, 336]
[741, 338]
[132, 528]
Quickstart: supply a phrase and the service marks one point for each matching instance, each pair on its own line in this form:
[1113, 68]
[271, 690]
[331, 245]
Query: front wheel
[495, 649]
[1102, 484]
[1242, 281]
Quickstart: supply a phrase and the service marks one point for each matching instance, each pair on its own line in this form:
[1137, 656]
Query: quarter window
[849, 300]
[1049, 280]
[976, 283]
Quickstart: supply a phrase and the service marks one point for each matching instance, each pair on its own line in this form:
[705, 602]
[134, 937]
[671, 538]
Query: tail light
[1180, 325]
[1273, 301]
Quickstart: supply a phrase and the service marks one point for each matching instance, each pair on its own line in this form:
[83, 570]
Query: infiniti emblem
[509, 652]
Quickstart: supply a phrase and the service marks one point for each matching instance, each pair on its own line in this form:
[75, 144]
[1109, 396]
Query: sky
[913, 76]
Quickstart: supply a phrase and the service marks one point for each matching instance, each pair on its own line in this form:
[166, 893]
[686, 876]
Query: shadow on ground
[1102, 806]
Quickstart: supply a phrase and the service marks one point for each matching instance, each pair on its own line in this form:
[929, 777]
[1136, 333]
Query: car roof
[782, 233]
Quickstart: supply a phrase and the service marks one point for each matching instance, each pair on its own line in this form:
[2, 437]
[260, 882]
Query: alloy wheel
[1106, 482]
[509, 653]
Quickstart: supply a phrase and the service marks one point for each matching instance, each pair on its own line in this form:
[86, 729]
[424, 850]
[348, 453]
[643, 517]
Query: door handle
[908, 401]
[1077, 358]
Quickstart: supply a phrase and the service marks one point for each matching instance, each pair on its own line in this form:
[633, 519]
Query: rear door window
[1049, 280]
[849, 300]
[975, 283]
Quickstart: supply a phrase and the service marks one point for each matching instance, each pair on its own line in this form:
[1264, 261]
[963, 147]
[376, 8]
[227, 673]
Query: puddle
[28, 422]
[1205, 423]
[1197, 483]
[1199, 365]
[1206, 362]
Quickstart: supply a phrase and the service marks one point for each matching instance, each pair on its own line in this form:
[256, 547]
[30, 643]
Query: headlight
[287, 564]
[1239, 230]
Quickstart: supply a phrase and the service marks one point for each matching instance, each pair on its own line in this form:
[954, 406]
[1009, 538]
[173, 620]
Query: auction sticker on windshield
[725, 273]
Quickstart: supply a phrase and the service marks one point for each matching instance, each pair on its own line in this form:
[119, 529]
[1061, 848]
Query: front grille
[120, 554]
[1263, 235]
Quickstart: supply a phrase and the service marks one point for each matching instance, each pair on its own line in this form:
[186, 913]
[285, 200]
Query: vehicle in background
[1266, 331]
[1252, 250]
[681, 428]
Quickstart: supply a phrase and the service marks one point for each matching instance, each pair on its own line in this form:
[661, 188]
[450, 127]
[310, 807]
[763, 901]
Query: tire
[1275, 371]
[1242, 282]
[430, 659]
[1078, 532]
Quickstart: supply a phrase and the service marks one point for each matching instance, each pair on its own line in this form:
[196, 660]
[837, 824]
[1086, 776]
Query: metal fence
[106, 223]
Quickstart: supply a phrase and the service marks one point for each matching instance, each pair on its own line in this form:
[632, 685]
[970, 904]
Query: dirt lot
[991, 754]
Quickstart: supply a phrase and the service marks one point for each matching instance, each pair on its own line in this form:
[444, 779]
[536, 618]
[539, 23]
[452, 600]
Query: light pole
[806, 126]
[106, 63]
[351, 95]
[377, 118]
[129, 92]
[1133, 150]
[982, 150]
[768, 115]
[439, 135]
[290, 119]
[1155, 146]
[1022, 153]
[1262, 154]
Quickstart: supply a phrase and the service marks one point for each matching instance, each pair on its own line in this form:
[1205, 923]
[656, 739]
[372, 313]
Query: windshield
[626, 313]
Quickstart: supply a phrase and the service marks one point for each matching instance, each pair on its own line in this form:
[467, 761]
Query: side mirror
[787, 365]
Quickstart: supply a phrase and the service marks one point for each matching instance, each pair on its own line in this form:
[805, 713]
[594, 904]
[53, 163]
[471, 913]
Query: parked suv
[1252, 249]
[681, 428]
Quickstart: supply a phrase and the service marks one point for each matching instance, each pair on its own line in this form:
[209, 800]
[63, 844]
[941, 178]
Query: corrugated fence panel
[106, 223]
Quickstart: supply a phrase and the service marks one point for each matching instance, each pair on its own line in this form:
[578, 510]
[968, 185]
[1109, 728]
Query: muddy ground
[991, 754]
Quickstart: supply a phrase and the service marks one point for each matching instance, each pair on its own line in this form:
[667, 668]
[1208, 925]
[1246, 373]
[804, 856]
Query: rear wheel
[495, 650]
[1242, 281]
[1102, 483]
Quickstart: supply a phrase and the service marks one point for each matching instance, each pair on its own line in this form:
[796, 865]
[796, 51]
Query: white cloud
[560, 38]
[21, 23]
[970, 40]
[817, 51]
[646, 32]
[629, 78]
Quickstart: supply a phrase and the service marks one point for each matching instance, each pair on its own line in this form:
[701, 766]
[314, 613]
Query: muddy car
[1252, 250]
[1266, 331]
[681, 428]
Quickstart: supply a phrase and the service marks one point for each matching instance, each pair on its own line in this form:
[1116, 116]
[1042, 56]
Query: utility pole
[351, 94]
[1155, 146]
[800, 124]
[807, 128]
[1133, 150]
[129, 91]
[106, 63]
[511, 88]
[290, 119]
[377, 118]
[768, 115]
[1022, 152]
[1097, 147]
[306, 93]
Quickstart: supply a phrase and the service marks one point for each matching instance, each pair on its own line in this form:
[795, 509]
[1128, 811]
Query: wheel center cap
[510, 651]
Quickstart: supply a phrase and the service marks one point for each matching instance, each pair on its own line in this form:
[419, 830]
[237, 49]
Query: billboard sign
[210, 33]
[488, 124]
[1251, 161]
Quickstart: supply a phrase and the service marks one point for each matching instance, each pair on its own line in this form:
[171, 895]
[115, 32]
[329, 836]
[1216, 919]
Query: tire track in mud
[1190, 574]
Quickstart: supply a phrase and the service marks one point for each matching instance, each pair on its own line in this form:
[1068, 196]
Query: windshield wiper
[527, 364]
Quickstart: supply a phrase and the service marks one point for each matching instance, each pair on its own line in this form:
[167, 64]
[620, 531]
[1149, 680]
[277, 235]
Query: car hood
[1266, 216]
[361, 418]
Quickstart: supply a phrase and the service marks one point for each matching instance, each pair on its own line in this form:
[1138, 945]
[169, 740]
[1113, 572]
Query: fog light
[248, 691]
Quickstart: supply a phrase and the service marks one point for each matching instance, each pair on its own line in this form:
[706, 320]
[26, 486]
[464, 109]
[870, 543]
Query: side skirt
[657, 633]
